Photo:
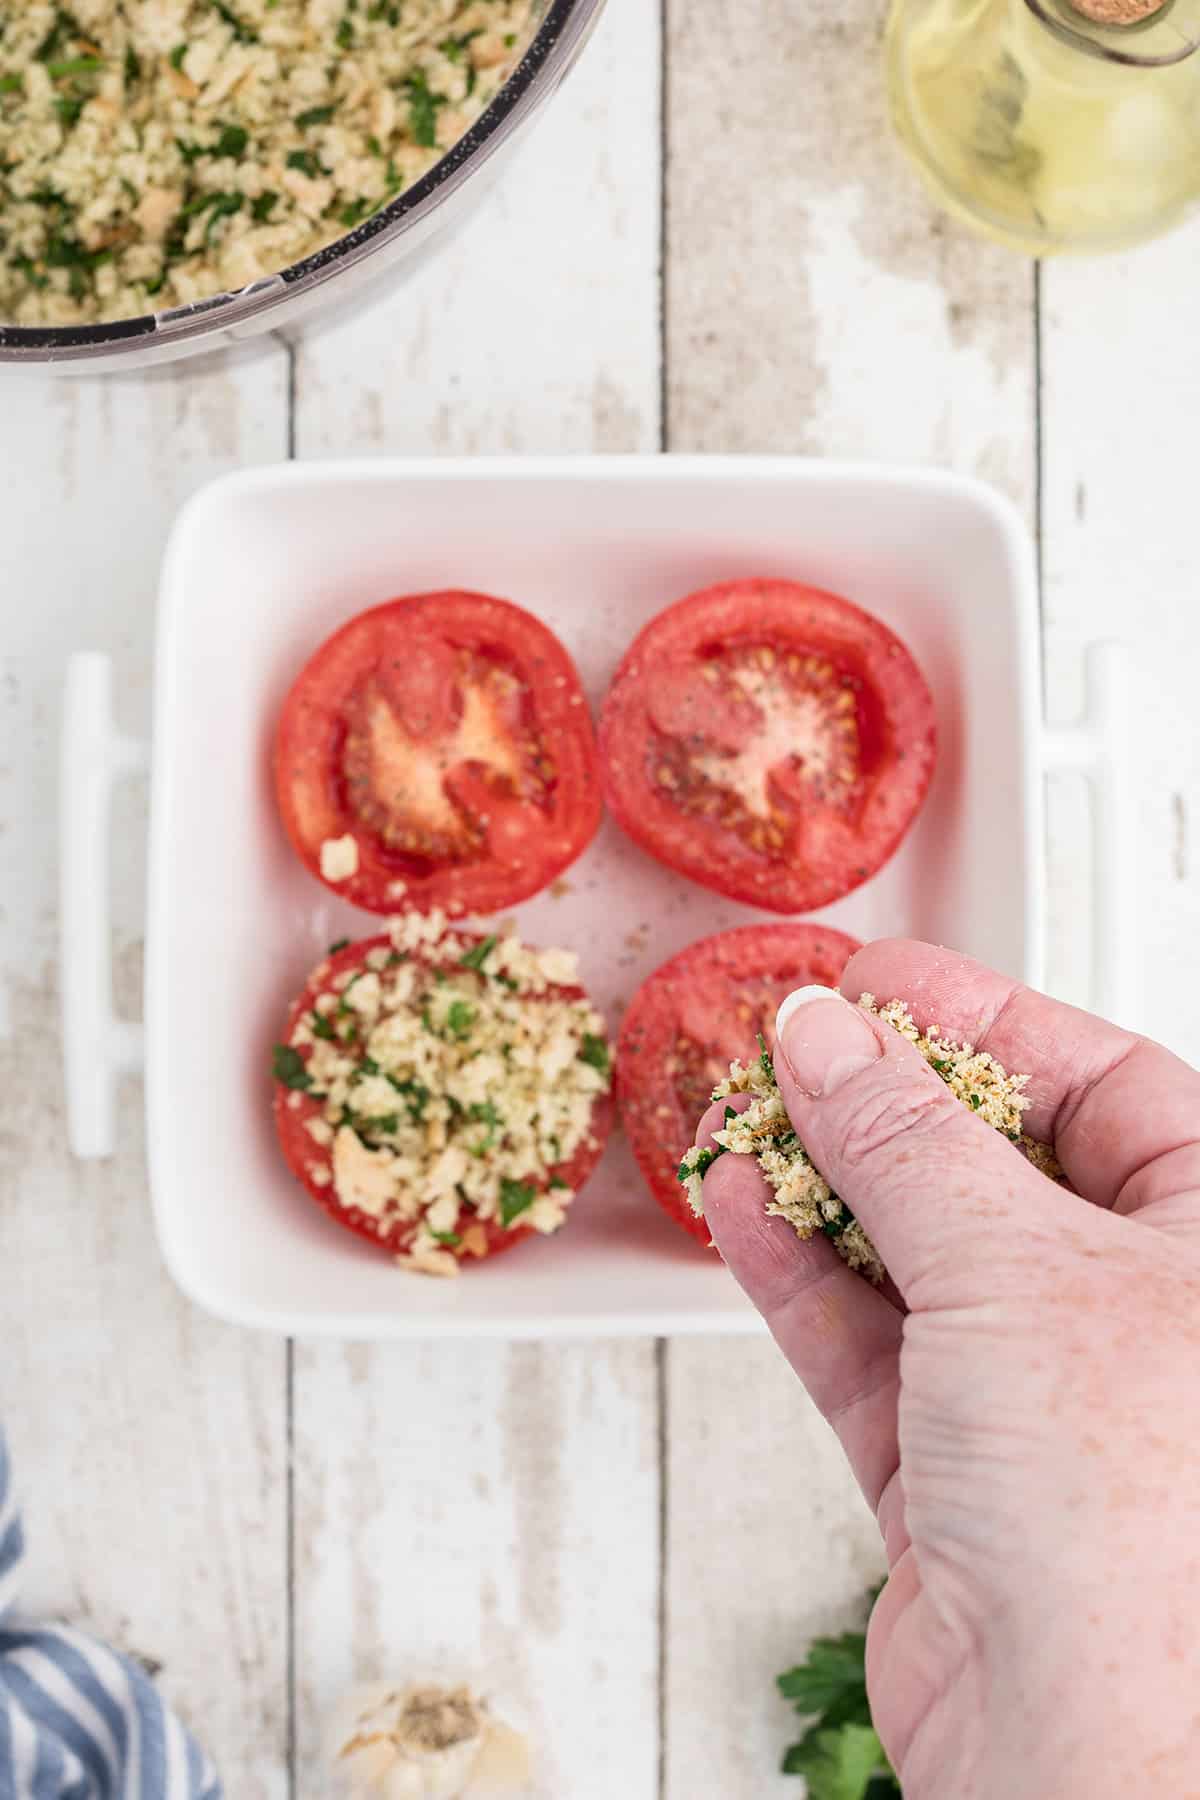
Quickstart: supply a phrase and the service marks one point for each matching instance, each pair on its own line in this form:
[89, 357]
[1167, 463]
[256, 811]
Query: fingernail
[824, 1040]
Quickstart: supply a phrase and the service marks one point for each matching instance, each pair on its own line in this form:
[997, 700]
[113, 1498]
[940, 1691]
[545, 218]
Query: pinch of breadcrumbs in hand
[799, 1193]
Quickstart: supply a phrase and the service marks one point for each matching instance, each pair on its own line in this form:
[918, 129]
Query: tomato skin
[699, 992]
[660, 699]
[292, 1108]
[408, 652]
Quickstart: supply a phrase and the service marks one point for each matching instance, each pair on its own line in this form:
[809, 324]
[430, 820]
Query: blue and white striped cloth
[77, 1721]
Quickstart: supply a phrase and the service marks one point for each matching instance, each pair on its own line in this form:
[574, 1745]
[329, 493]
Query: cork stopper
[1117, 12]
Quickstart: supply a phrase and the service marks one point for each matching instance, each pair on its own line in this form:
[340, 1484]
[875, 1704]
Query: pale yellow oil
[1032, 139]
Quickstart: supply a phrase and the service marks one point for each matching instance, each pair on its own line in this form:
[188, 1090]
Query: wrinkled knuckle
[884, 1119]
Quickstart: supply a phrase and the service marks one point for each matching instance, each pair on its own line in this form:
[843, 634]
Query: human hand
[1021, 1403]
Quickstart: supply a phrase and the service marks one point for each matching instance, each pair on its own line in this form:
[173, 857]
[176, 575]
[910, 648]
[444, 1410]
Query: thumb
[938, 1191]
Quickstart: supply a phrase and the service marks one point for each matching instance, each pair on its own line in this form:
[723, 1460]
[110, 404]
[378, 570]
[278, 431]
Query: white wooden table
[710, 244]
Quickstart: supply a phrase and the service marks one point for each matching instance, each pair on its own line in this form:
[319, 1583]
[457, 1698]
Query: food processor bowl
[348, 268]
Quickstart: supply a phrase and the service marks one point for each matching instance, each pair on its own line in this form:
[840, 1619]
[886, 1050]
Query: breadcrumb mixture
[452, 1085]
[158, 152]
[801, 1194]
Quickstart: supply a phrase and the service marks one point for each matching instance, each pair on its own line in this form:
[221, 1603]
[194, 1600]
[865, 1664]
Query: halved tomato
[341, 1067]
[438, 751]
[768, 740]
[685, 1025]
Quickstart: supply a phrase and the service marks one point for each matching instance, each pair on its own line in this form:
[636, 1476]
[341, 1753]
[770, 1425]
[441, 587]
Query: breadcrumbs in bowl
[159, 152]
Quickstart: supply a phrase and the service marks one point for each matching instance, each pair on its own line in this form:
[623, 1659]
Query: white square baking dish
[262, 566]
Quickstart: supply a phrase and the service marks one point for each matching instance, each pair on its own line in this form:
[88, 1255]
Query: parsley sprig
[840, 1755]
[516, 1197]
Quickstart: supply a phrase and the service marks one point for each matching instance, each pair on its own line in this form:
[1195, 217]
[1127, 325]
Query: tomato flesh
[448, 736]
[312, 1163]
[768, 740]
[687, 1023]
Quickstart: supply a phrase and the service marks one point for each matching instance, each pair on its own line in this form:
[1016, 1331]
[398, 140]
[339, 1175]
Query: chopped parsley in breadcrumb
[803, 1196]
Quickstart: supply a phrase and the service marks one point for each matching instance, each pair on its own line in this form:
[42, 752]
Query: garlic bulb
[424, 1742]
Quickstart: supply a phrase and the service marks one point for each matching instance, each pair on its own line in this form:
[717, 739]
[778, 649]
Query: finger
[841, 1336]
[941, 1193]
[1122, 1113]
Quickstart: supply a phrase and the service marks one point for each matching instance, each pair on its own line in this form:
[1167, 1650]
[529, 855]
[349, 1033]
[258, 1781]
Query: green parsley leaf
[260, 211]
[422, 110]
[385, 1122]
[768, 1067]
[478, 954]
[832, 1667]
[839, 1764]
[459, 1018]
[66, 252]
[355, 213]
[320, 1025]
[11, 84]
[444, 1237]
[344, 35]
[338, 943]
[416, 1097]
[133, 65]
[288, 1066]
[64, 27]
[232, 141]
[218, 207]
[595, 1053]
[305, 161]
[556, 1181]
[699, 1163]
[452, 47]
[177, 55]
[484, 1113]
[30, 271]
[516, 1197]
[74, 65]
[343, 1004]
[68, 110]
[243, 33]
[316, 115]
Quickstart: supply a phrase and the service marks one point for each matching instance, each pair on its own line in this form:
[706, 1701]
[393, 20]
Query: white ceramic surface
[261, 566]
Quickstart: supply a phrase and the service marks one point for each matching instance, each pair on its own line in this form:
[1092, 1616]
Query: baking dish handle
[1100, 748]
[97, 1046]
